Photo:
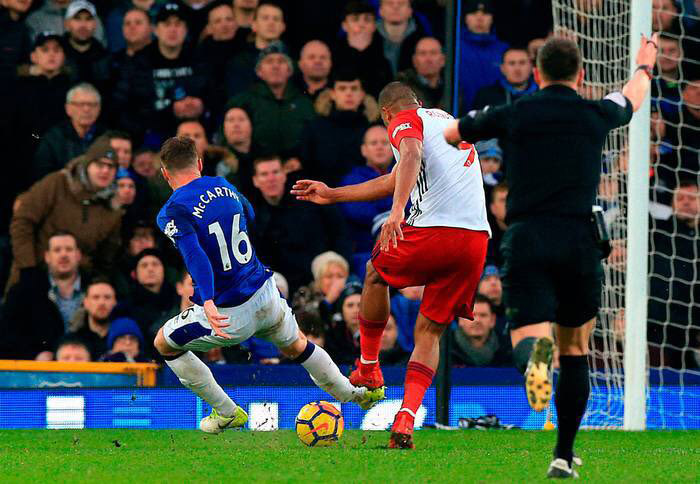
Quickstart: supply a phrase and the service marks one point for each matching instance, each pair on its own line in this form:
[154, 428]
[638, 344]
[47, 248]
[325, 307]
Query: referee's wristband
[648, 70]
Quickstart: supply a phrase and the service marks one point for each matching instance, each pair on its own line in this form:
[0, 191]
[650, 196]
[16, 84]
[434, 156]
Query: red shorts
[447, 261]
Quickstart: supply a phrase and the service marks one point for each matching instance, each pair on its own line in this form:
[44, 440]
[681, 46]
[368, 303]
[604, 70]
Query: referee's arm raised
[636, 88]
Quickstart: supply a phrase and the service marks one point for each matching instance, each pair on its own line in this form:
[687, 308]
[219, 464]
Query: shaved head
[396, 92]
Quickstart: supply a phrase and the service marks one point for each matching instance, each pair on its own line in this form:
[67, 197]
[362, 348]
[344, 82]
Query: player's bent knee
[295, 349]
[162, 346]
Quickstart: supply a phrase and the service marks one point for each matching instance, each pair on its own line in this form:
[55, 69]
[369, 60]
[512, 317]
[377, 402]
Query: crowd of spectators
[271, 91]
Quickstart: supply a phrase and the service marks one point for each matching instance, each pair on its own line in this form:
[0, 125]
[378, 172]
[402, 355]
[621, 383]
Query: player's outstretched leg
[374, 313]
[197, 376]
[419, 375]
[532, 354]
[327, 376]
[573, 389]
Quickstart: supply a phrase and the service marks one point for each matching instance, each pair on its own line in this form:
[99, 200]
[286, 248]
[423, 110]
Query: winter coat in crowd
[288, 236]
[148, 87]
[500, 93]
[480, 61]
[59, 145]
[31, 321]
[330, 145]
[430, 96]
[277, 123]
[65, 200]
[372, 66]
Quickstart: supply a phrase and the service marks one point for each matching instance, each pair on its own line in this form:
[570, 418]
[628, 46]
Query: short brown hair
[264, 159]
[178, 153]
[559, 59]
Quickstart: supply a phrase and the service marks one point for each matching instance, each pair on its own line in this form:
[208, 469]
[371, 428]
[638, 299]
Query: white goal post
[635, 355]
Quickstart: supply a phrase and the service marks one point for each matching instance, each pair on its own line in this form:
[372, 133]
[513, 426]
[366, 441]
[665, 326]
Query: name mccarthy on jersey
[210, 195]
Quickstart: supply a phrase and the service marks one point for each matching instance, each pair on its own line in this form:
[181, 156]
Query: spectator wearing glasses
[77, 199]
[71, 137]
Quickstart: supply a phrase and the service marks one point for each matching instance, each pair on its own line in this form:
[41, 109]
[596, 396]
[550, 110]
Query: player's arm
[637, 87]
[179, 229]
[199, 267]
[318, 192]
[406, 172]
[478, 125]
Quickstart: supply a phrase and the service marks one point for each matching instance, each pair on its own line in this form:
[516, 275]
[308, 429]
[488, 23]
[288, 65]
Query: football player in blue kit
[235, 296]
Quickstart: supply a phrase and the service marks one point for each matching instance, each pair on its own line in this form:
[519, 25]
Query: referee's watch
[648, 70]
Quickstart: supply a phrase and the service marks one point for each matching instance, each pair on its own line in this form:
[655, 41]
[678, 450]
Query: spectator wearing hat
[492, 287]
[330, 145]
[70, 138]
[91, 324]
[152, 297]
[481, 51]
[426, 74]
[267, 28]
[84, 53]
[360, 216]
[516, 82]
[343, 336]
[38, 309]
[125, 342]
[40, 100]
[400, 32]
[315, 62]
[491, 161]
[163, 83]
[77, 199]
[477, 342]
[362, 47]
[497, 220]
[51, 17]
[277, 109]
[136, 237]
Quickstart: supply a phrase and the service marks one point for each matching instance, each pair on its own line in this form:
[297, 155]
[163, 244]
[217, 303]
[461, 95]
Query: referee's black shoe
[538, 376]
[560, 469]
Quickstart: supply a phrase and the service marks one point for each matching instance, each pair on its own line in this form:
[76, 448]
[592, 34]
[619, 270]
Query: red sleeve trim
[407, 124]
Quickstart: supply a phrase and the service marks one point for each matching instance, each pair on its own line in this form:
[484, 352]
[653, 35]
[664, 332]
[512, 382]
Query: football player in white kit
[440, 245]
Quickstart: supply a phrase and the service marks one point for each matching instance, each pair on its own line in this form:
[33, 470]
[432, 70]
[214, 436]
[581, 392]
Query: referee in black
[552, 271]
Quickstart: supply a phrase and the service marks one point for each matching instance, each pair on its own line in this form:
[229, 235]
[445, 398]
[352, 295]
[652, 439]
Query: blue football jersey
[207, 220]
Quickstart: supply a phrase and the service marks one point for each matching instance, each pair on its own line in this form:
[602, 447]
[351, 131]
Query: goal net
[668, 364]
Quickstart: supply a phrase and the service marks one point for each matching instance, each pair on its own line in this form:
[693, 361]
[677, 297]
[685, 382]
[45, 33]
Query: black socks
[571, 397]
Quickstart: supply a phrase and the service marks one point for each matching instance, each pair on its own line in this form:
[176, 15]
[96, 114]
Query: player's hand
[313, 191]
[646, 55]
[391, 231]
[451, 133]
[217, 321]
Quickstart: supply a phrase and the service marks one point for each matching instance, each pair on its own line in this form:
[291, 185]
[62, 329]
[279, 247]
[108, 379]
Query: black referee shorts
[551, 272]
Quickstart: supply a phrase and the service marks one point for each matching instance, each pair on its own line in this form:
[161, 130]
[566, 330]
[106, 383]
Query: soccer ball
[319, 424]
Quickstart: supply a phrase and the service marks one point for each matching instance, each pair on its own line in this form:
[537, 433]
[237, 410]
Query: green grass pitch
[140, 456]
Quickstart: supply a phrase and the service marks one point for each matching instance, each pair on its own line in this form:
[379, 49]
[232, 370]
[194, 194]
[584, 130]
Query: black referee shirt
[556, 139]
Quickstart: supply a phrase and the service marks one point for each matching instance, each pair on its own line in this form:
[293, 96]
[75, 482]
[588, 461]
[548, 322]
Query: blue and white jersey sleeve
[175, 224]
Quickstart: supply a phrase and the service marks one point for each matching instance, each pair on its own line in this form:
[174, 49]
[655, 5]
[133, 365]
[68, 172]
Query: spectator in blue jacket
[404, 308]
[360, 215]
[481, 51]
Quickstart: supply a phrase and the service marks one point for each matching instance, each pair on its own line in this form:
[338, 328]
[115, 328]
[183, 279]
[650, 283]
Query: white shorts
[265, 315]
